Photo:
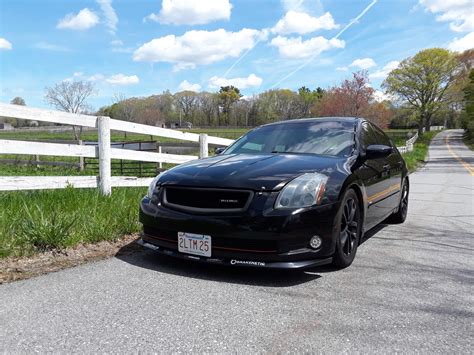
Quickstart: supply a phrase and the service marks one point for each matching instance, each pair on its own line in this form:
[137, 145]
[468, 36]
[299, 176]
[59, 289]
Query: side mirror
[376, 151]
[219, 150]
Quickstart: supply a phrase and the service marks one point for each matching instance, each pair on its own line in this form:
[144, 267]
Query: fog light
[315, 242]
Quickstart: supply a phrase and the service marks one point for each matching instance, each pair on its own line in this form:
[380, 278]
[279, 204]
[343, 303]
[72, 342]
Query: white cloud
[96, 77]
[192, 12]
[111, 18]
[121, 79]
[187, 86]
[302, 23]
[118, 47]
[51, 47]
[197, 47]
[116, 79]
[5, 45]
[296, 48]
[459, 13]
[382, 73]
[363, 63]
[242, 83]
[380, 96]
[463, 43]
[84, 20]
[116, 43]
[307, 6]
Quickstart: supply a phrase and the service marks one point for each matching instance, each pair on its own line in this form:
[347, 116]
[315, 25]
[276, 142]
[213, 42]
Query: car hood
[250, 171]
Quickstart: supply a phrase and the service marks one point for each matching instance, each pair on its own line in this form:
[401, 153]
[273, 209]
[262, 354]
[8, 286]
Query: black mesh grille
[207, 199]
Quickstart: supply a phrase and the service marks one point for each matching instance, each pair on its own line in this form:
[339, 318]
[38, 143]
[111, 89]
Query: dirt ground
[20, 268]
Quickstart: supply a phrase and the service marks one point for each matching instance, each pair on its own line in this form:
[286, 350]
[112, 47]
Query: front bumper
[259, 237]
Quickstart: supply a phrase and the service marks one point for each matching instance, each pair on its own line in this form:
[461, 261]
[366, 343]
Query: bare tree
[70, 96]
[186, 102]
[126, 108]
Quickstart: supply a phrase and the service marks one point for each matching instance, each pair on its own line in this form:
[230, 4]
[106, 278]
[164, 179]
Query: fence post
[203, 146]
[160, 164]
[81, 159]
[103, 124]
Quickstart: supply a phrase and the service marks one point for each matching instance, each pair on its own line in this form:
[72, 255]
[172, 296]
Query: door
[375, 174]
[391, 196]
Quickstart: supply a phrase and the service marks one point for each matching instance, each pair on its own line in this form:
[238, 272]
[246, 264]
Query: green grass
[54, 219]
[469, 142]
[91, 136]
[417, 157]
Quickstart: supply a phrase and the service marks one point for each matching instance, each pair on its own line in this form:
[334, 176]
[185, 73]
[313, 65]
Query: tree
[351, 99]
[468, 114]
[18, 101]
[17, 122]
[186, 102]
[422, 82]
[309, 99]
[124, 109]
[70, 96]
[228, 95]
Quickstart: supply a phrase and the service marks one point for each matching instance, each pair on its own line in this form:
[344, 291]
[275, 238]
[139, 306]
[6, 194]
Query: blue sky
[143, 47]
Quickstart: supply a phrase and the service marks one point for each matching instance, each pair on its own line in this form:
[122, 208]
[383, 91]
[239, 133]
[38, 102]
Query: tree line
[425, 89]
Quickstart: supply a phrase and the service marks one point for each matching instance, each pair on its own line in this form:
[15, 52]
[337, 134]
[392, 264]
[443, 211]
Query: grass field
[91, 136]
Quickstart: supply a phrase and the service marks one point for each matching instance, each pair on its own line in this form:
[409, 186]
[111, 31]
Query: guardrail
[103, 151]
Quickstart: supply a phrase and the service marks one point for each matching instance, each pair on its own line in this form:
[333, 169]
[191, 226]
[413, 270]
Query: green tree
[468, 114]
[309, 98]
[18, 101]
[422, 82]
[228, 95]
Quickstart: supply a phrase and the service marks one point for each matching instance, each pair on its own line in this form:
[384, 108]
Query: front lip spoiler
[290, 265]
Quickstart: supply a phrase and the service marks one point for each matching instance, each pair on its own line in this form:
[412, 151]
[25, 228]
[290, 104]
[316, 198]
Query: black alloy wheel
[348, 233]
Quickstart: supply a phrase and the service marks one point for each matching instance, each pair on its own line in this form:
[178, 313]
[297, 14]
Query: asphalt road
[409, 290]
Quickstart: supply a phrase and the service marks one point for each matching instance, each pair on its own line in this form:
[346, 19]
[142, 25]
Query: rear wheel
[348, 230]
[401, 215]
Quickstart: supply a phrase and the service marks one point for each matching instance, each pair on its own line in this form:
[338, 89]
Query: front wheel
[348, 230]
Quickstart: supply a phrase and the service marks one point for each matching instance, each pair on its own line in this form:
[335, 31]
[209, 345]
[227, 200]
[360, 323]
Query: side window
[367, 136]
[381, 137]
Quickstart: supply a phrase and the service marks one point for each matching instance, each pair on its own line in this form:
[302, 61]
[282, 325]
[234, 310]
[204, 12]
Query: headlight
[152, 187]
[304, 191]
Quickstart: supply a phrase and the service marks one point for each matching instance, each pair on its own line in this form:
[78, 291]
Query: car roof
[318, 119]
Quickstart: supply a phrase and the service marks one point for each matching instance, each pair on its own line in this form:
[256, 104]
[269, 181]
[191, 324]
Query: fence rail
[103, 151]
[408, 147]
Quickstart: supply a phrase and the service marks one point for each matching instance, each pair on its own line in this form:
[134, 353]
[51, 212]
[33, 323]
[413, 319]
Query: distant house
[4, 126]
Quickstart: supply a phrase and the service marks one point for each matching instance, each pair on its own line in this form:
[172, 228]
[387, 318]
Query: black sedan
[292, 194]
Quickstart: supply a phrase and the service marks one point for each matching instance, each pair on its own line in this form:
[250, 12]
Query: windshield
[311, 137]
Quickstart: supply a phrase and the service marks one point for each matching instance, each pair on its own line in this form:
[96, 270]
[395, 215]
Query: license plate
[196, 244]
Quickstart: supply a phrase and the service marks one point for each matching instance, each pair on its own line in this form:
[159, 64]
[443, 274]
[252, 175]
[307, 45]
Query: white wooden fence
[408, 147]
[104, 151]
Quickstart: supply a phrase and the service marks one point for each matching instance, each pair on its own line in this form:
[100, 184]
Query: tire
[401, 215]
[347, 230]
